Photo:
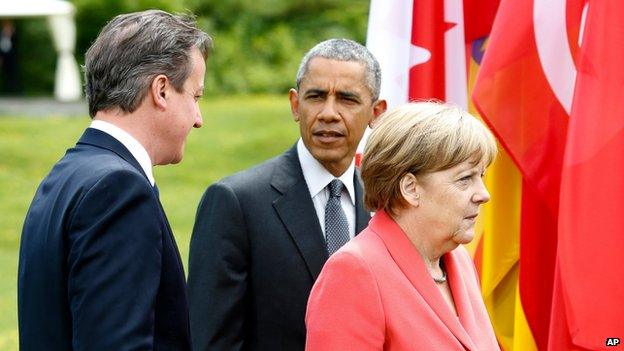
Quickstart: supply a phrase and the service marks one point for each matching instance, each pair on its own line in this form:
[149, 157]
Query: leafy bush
[258, 43]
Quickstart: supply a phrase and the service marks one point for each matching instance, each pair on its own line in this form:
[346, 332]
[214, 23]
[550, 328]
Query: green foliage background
[257, 43]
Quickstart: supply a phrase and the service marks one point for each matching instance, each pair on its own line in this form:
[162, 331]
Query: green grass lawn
[237, 132]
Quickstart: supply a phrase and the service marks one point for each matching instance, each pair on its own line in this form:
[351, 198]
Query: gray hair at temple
[345, 50]
[132, 49]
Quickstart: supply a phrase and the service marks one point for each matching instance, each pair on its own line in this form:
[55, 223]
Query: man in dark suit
[262, 236]
[99, 268]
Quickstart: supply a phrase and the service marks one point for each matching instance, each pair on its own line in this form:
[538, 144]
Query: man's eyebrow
[315, 91]
[348, 94]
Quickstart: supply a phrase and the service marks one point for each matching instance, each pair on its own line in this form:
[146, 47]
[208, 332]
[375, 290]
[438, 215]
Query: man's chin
[177, 159]
[171, 161]
[330, 155]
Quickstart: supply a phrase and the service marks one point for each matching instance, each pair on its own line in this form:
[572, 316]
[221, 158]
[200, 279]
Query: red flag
[589, 293]
[478, 18]
[426, 80]
[423, 40]
[515, 95]
[421, 49]
[530, 93]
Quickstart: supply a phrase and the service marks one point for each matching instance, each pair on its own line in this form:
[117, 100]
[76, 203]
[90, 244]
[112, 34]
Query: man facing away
[262, 236]
[99, 268]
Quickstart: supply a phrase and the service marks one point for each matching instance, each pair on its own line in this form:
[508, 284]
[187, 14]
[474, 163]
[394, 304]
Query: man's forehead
[320, 65]
[334, 79]
[345, 91]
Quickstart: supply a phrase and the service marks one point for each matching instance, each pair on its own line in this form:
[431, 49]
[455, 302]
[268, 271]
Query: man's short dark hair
[345, 50]
[134, 48]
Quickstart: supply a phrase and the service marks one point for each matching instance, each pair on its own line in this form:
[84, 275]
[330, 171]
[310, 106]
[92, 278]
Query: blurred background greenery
[258, 46]
[258, 43]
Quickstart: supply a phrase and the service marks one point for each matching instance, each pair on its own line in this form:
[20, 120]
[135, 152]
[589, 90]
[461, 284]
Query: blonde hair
[419, 138]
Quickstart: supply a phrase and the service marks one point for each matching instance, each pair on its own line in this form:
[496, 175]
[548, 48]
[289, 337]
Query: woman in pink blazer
[406, 282]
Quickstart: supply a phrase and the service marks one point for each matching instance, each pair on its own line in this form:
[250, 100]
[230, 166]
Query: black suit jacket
[256, 250]
[99, 268]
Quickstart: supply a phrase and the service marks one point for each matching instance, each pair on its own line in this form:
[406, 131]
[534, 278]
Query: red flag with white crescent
[547, 94]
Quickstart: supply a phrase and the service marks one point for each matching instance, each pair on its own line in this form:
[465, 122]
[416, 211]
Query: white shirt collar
[317, 177]
[136, 149]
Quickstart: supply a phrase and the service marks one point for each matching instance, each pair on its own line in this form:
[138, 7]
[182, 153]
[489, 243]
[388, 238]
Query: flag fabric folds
[550, 89]
[497, 250]
[423, 54]
[589, 285]
[420, 47]
[514, 97]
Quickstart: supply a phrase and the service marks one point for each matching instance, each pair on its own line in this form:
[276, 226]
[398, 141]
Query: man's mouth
[328, 136]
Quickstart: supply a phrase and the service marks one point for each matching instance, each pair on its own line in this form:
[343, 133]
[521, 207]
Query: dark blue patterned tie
[336, 225]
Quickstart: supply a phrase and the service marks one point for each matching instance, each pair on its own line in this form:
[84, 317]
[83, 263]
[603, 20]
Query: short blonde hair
[419, 138]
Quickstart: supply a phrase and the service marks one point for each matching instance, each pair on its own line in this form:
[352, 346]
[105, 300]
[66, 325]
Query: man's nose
[329, 111]
[198, 121]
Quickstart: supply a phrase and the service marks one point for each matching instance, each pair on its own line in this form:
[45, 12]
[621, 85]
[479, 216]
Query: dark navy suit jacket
[256, 250]
[99, 268]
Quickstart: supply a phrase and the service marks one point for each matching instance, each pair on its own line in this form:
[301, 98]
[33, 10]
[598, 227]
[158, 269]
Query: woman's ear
[410, 189]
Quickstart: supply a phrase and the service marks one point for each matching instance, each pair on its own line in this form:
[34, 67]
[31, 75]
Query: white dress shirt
[136, 149]
[317, 178]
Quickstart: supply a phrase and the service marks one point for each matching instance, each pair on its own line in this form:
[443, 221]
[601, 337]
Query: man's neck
[131, 123]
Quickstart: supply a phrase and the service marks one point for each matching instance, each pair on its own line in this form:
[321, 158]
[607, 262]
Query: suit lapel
[98, 138]
[412, 265]
[361, 215]
[296, 211]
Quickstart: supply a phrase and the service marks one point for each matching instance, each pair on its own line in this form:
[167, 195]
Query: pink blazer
[376, 294]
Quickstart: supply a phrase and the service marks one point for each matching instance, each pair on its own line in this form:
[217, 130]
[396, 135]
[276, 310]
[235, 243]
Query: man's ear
[293, 96]
[410, 189]
[159, 90]
[379, 107]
